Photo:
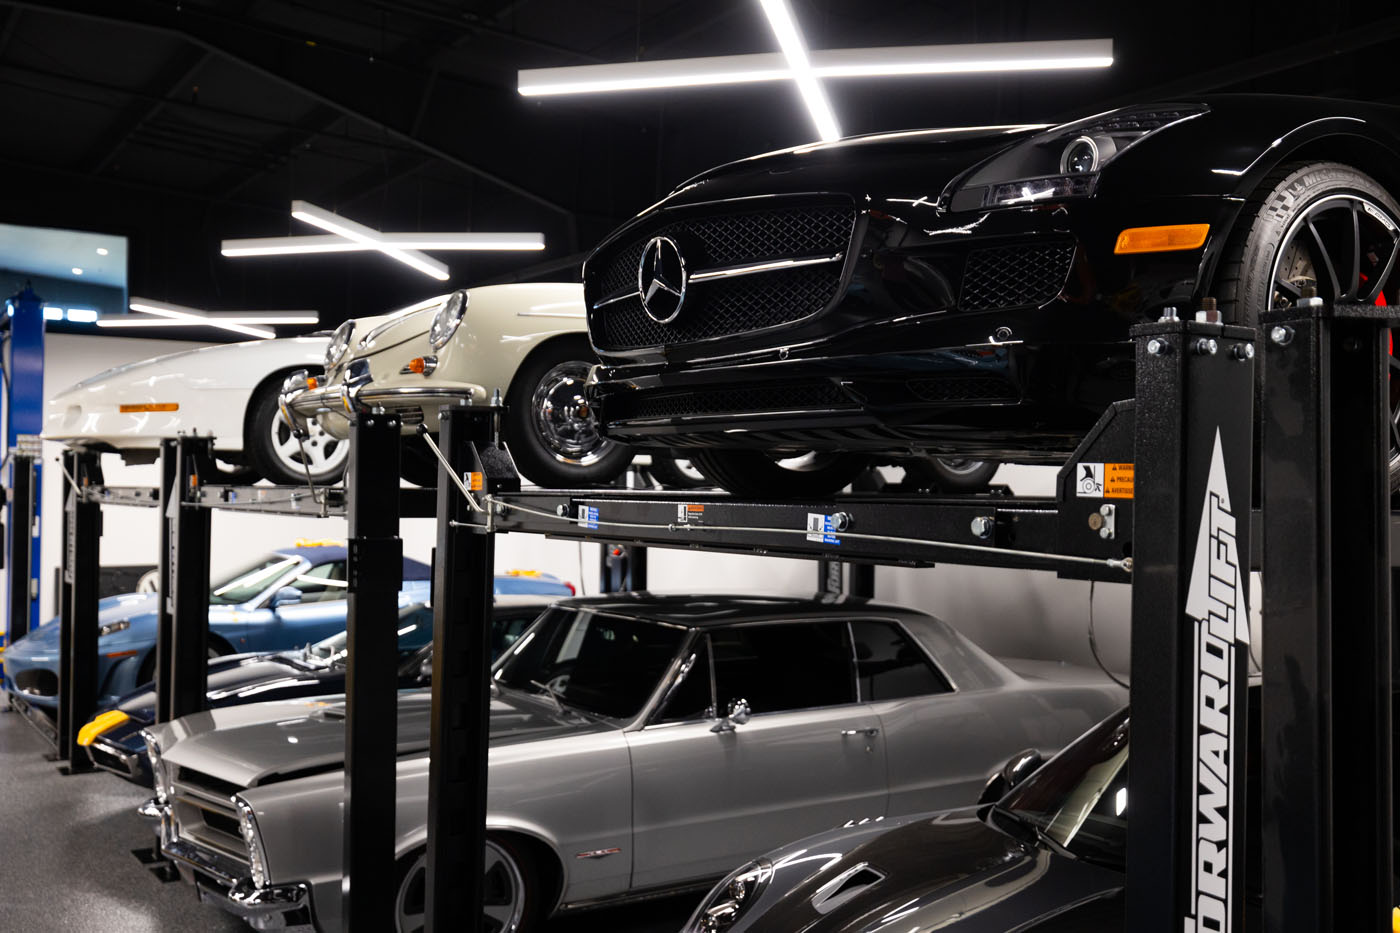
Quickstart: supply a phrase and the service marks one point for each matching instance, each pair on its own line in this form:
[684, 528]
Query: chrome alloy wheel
[961, 465]
[1345, 246]
[563, 419]
[503, 901]
[322, 453]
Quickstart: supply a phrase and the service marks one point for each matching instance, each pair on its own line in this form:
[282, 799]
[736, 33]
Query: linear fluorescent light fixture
[893, 61]
[330, 221]
[331, 243]
[795, 52]
[240, 322]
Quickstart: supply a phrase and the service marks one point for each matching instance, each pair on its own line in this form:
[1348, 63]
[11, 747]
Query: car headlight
[257, 855]
[113, 627]
[1063, 162]
[159, 769]
[447, 318]
[340, 343]
[728, 900]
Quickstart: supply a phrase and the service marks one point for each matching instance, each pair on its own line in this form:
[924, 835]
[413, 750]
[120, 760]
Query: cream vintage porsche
[639, 744]
[525, 341]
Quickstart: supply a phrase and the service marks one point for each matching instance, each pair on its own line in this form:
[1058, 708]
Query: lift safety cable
[493, 503]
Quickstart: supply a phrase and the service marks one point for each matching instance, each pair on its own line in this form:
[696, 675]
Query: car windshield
[598, 663]
[1078, 801]
[415, 631]
[251, 580]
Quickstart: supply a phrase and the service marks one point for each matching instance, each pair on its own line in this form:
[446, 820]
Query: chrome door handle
[870, 731]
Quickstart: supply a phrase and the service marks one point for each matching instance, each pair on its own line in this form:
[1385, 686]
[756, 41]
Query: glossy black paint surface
[1028, 379]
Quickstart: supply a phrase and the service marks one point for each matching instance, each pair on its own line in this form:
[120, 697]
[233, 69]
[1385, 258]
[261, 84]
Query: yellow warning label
[478, 481]
[1117, 480]
[694, 508]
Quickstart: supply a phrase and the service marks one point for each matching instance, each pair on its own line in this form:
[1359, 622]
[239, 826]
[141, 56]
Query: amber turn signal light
[311, 382]
[1161, 239]
[150, 406]
[415, 365]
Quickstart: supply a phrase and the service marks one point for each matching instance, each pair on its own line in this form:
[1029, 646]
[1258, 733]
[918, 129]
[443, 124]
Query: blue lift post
[24, 420]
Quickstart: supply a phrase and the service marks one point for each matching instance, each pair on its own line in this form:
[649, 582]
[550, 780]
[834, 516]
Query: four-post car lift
[1177, 464]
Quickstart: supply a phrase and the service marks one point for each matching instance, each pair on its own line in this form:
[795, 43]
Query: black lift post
[21, 545]
[169, 497]
[77, 680]
[462, 601]
[187, 557]
[1326, 732]
[375, 574]
[1190, 626]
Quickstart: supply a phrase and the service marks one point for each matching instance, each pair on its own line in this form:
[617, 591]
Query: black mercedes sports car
[967, 293]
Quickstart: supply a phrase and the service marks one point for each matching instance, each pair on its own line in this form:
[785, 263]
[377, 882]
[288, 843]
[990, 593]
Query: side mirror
[286, 596]
[1021, 766]
[739, 714]
[425, 671]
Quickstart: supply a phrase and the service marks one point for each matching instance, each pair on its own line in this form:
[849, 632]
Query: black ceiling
[182, 122]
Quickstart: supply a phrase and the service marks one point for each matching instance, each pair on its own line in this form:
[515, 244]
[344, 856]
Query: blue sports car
[285, 599]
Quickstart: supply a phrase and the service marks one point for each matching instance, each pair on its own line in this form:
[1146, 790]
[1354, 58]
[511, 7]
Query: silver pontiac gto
[639, 744]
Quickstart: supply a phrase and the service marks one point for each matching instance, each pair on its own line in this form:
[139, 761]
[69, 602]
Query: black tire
[328, 455]
[417, 463]
[1269, 245]
[756, 474]
[567, 449]
[410, 890]
[666, 471]
[947, 474]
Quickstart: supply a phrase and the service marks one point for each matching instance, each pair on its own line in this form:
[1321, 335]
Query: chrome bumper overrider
[223, 882]
[348, 401]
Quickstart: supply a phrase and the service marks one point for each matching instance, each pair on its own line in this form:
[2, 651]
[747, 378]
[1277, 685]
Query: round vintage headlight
[248, 827]
[447, 318]
[121, 625]
[721, 909]
[340, 343]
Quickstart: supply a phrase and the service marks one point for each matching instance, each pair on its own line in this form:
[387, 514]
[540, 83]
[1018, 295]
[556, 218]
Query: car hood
[263, 742]
[922, 161]
[383, 333]
[239, 678]
[920, 873]
[111, 609]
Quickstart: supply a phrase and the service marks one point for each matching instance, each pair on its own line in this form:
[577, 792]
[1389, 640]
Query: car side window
[890, 666]
[507, 629]
[783, 666]
[322, 583]
[692, 699]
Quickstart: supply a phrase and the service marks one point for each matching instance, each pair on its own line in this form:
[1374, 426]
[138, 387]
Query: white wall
[1029, 614]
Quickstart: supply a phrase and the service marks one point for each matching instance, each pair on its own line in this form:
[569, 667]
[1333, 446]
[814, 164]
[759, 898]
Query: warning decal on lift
[690, 513]
[1104, 481]
[821, 528]
[588, 516]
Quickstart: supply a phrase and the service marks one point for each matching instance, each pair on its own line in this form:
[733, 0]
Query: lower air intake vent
[1022, 276]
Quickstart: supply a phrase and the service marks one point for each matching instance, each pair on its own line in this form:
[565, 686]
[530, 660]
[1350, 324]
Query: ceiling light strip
[330, 243]
[795, 52]
[895, 61]
[190, 316]
[309, 213]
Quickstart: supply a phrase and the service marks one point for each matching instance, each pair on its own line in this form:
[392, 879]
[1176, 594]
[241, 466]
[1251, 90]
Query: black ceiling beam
[473, 24]
[276, 153]
[1261, 66]
[292, 64]
[174, 75]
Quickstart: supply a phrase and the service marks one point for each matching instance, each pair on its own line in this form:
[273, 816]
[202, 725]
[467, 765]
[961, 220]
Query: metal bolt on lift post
[1190, 625]
[1326, 720]
[375, 572]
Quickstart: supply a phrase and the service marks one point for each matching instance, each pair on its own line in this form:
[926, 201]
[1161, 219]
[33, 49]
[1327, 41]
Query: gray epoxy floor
[66, 864]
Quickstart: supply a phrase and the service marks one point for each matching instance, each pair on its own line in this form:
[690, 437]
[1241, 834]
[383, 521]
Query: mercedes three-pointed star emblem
[661, 279]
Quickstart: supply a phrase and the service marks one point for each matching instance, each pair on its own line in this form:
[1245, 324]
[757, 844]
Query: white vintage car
[228, 391]
[527, 341]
